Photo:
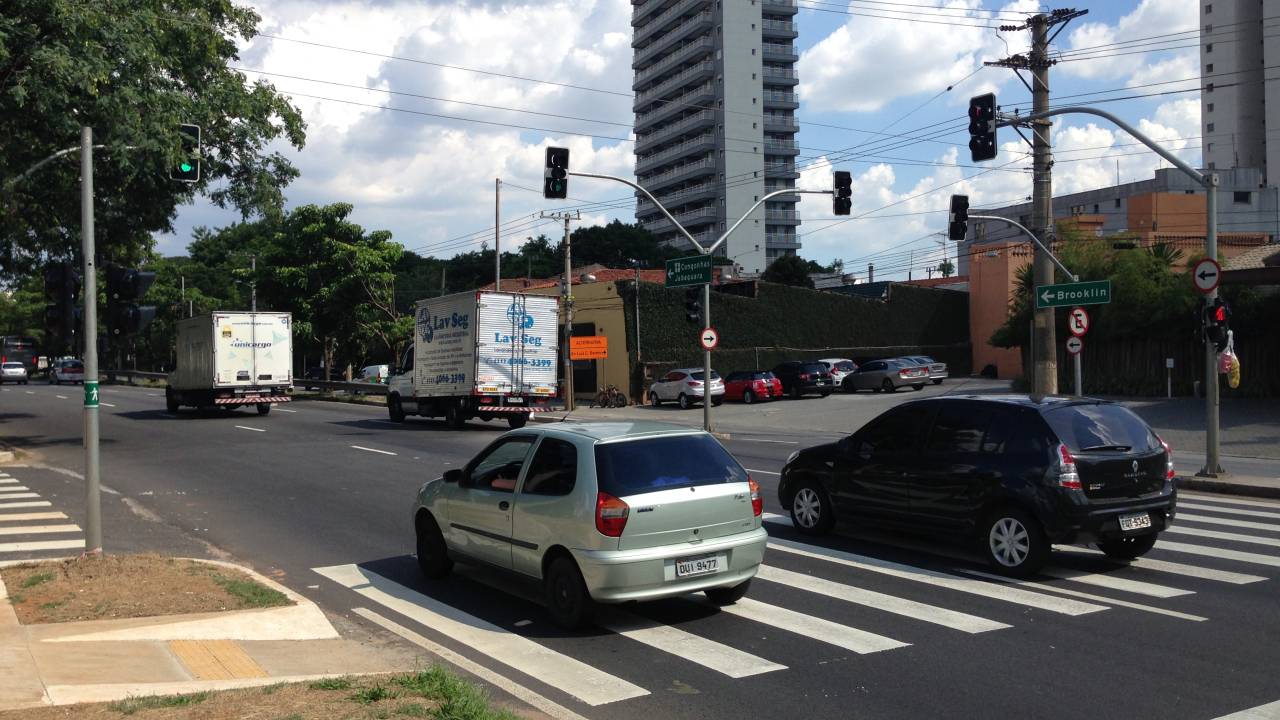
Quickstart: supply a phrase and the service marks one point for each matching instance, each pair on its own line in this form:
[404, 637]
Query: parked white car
[375, 373]
[685, 386]
[839, 367]
[66, 371]
[14, 372]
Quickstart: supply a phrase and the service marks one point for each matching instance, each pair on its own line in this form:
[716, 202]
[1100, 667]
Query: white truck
[230, 359]
[478, 355]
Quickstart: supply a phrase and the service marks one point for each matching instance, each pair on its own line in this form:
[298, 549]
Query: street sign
[1078, 321]
[91, 393]
[1206, 275]
[592, 347]
[1095, 292]
[709, 339]
[1075, 344]
[686, 271]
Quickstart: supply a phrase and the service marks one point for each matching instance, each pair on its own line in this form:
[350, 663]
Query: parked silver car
[600, 513]
[937, 370]
[886, 376]
[13, 372]
[685, 386]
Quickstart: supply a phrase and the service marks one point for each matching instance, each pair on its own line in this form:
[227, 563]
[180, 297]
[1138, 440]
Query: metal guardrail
[362, 388]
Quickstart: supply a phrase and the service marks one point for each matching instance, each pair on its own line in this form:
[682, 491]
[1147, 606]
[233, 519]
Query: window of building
[1208, 8]
[753, 51]
[1208, 29]
[1208, 47]
[753, 76]
[1208, 68]
[1095, 212]
[753, 126]
[1208, 88]
[1212, 165]
[1210, 107]
[1208, 148]
[1243, 197]
[1117, 203]
[1209, 127]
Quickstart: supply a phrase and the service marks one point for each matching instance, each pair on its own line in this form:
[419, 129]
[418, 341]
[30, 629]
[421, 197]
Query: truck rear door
[516, 344]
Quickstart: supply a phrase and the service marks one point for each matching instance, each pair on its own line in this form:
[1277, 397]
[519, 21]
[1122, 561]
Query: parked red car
[752, 385]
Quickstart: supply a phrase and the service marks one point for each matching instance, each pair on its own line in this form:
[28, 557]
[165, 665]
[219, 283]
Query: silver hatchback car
[600, 513]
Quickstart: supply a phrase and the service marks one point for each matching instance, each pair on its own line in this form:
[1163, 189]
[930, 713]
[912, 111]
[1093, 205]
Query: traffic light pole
[568, 306]
[93, 502]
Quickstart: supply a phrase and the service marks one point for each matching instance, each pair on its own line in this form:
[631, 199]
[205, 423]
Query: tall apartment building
[715, 122]
[1239, 48]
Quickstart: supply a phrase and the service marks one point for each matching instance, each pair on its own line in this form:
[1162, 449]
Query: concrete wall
[992, 278]
[1167, 213]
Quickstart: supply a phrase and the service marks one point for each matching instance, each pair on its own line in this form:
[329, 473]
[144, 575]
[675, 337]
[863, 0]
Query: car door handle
[504, 505]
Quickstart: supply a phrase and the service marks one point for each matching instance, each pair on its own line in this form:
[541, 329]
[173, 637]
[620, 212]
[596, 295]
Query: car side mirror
[453, 476]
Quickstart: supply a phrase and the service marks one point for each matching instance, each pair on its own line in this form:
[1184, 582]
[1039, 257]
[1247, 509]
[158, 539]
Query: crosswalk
[873, 606]
[27, 522]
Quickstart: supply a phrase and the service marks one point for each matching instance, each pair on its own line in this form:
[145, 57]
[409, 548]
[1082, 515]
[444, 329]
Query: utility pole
[253, 283]
[93, 497]
[497, 247]
[443, 269]
[566, 295]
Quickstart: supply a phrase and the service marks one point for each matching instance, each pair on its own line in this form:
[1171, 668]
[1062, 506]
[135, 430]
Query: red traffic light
[1220, 314]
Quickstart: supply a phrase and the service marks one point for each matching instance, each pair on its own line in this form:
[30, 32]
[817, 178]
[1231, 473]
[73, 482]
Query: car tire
[395, 409]
[1013, 542]
[849, 387]
[748, 397]
[653, 399]
[887, 386]
[264, 408]
[717, 401]
[683, 400]
[826, 394]
[937, 381]
[515, 421]
[433, 554]
[566, 596]
[170, 401]
[811, 511]
[453, 416]
[1130, 548]
[728, 595]
[918, 386]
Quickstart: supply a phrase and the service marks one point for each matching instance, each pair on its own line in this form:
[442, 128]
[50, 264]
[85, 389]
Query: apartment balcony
[697, 73]
[691, 51]
[700, 98]
[682, 173]
[642, 9]
[665, 20]
[775, 216]
[778, 30]
[779, 75]
[774, 123]
[688, 124]
[781, 100]
[691, 219]
[778, 241]
[781, 147]
[781, 170]
[774, 187]
[683, 196]
[778, 52]
[700, 146]
[779, 7]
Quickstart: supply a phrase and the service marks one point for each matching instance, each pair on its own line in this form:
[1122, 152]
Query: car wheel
[517, 420]
[453, 416]
[888, 386]
[264, 408]
[825, 394]
[684, 401]
[918, 386]
[1013, 543]
[170, 400]
[811, 511]
[395, 409]
[795, 392]
[568, 602]
[1129, 548]
[937, 381]
[748, 397]
[717, 401]
[728, 595]
[433, 555]
[653, 399]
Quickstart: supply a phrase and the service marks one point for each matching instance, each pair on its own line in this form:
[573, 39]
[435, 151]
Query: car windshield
[1100, 427]
[843, 366]
[639, 466]
[698, 375]
[73, 366]
[813, 368]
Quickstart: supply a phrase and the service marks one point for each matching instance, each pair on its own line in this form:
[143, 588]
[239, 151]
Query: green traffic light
[186, 167]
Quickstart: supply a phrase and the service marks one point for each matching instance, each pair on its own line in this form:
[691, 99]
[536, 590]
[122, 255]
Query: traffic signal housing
[842, 191]
[693, 304]
[555, 185]
[61, 287]
[1217, 323]
[982, 127]
[958, 217]
[188, 167]
[124, 287]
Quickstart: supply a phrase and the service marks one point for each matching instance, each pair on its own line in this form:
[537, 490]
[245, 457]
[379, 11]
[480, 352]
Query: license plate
[698, 566]
[1135, 522]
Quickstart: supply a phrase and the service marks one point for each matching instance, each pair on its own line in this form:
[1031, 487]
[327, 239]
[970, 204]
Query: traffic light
[982, 127]
[61, 286]
[124, 286]
[1217, 321]
[842, 190]
[693, 304]
[958, 218]
[188, 168]
[555, 185]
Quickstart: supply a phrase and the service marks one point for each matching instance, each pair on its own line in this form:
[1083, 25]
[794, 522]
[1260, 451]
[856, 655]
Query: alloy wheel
[1009, 541]
[807, 507]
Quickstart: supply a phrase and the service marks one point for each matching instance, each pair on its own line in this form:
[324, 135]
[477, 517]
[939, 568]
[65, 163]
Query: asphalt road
[863, 626]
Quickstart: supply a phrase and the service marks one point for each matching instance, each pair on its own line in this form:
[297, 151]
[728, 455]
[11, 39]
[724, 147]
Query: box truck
[229, 359]
[478, 355]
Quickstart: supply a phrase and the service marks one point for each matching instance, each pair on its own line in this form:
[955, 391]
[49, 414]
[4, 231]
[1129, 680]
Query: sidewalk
[96, 661]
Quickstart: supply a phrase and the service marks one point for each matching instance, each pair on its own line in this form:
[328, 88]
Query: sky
[414, 107]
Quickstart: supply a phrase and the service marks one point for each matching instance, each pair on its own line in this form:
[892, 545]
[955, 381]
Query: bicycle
[610, 396]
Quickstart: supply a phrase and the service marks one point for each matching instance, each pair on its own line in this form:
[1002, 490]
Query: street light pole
[93, 499]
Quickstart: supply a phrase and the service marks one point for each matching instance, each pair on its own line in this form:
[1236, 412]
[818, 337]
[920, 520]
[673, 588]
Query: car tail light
[694, 383]
[1067, 475]
[804, 376]
[757, 502]
[904, 372]
[611, 515]
[1168, 459]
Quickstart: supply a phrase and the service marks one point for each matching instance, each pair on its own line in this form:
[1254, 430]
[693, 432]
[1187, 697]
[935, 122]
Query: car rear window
[1100, 427]
[762, 376]
[639, 466]
[14, 365]
[698, 375]
[845, 366]
[813, 368]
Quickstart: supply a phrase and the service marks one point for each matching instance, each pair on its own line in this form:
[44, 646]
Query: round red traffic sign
[1206, 275]
[709, 339]
[1075, 344]
[1078, 321]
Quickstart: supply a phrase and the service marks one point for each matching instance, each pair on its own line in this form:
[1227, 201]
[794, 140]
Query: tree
[133, 70]
[617, 245]
[788, 270]
[945, 268]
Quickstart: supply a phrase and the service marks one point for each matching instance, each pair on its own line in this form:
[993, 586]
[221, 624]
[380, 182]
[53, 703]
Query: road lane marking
[15, 496]
[815, 628]
[1195, 571]
[1230, 522]
[1220, 553]
[1218, 535]
[30, 504]
[280, 409]
[23, 517]
[1219, 499]
[37, 529]
[61, 397]
[15, 488]
[1086, 596]
[381, 452]
[42, 545]
[557, 711]
[107, 404]
[1116, 583]
[1270, 711]
[880, 601]
[1229, 511]
[938, 579]
[775, 442]
[591, 686]
[246, 427]
[7, 480]
[707, 653]
[31, 392]
[763, 472]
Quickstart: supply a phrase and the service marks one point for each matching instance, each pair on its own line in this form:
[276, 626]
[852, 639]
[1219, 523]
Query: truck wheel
[264, 408]
[517, 420]
[453, 416]
[170, 400]
[395, 409]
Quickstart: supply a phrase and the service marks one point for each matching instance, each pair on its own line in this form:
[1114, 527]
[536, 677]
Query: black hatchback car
[804, 378]
[1015, 473]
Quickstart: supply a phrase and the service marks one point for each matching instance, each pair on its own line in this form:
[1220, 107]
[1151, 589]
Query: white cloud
[1151, 19]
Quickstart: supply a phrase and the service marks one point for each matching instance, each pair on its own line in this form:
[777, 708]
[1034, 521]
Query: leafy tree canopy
[789, 270]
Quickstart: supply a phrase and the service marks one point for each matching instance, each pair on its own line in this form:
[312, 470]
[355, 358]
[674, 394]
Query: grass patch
[251, 593]
[37, 579]
[16, 599]
[413, 710]
[152, 702]
[371, 695]
[52, 605]
[338, 683]
[458, 699]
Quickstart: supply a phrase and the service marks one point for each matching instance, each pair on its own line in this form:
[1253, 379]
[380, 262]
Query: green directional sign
[90, 393]
[1096, 292]
[686, 271]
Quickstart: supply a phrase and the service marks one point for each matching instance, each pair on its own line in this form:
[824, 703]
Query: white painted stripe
[37, 529]
[61, 397]
[1230, 522]
[1087, 596]
[7, 480]
[775, 442]
[15, 496]
[1270, 711]
[246, 427]
[1116, 583]
[108, 405]
[7, 390]
[1220, 553]
[763, 472]
[280, 409]
[35, 503]
[1219, 535]
[14, 488]
[42, 545]
[30, 392]
[938, 579]
[571, 676]
[880, 601]
[814, 628]
[1229, 500]
[1229, 511]
[707, 653]
[1195, 571]
[22, 517]
[380, 452]
[554, 710]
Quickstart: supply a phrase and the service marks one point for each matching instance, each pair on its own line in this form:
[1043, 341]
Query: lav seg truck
[230, 359]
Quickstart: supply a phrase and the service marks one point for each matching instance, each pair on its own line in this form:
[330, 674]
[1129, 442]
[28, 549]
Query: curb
[1223, 487]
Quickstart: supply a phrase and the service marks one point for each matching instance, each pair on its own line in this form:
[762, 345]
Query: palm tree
[1168, 255]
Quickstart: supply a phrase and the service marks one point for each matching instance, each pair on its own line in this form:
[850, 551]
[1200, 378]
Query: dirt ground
[125, 586]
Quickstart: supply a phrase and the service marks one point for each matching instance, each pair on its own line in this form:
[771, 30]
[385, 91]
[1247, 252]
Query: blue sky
[874, 78]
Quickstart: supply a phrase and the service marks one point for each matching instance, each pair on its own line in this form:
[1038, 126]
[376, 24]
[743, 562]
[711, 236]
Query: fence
[1136, 367]
[355, 388]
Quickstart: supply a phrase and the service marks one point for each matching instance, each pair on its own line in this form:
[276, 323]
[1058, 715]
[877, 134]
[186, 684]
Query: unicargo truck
[478, 355]
[230, 359]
